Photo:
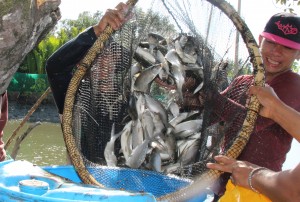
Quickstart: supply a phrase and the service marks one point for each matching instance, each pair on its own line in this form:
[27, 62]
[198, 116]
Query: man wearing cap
[247, 177]
[269, 143]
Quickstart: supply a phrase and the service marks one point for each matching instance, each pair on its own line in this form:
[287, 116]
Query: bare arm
[274, 108]
[278, 186]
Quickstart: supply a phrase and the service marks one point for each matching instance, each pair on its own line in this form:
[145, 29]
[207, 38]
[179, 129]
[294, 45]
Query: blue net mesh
[138, 180]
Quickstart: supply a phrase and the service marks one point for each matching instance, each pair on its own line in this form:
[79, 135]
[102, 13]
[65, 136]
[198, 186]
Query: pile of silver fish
[159, 136]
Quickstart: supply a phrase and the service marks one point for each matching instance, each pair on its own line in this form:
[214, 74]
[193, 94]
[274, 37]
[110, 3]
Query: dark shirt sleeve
[60, 64]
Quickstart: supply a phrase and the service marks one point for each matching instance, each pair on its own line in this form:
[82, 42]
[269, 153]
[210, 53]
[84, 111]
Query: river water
[43, 146]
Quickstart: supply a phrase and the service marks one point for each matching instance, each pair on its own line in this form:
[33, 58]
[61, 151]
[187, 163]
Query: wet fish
[147, 122]
[126, 143]
[182, 116]
[199, 87]
[177, 70]
[187, 128]
[156, 107]
[186, 58]
[165, 66]
[170, 143]
[153, 40]
[171, 168]
[138, 154]
[132, 110]
[159, 137]
[188, 151]
[135, 68]
[155, 160]
[173, 108]
[109, 151]
[137, 133]
[144, 56]
[145, 78]
[140, 103]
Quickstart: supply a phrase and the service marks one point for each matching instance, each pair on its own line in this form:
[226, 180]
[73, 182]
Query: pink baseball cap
[284, 29]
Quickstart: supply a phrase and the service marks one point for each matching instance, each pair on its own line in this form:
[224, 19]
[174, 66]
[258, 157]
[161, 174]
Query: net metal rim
[233, 151]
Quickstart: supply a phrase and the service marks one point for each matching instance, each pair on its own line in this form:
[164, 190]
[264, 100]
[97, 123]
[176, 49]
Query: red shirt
[269, 143]
[3, 120]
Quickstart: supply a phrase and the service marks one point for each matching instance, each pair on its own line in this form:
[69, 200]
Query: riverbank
[19, 106]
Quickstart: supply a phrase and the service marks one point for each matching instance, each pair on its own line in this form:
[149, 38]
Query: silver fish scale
[161, 142]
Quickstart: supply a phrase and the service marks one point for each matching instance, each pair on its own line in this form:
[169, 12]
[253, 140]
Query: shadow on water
[43, 146]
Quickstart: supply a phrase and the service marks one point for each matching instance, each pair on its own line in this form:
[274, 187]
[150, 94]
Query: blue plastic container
[23, 181]
[15, 173]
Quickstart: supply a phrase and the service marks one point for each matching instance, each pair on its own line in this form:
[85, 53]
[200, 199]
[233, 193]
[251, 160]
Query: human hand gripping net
[146, 107]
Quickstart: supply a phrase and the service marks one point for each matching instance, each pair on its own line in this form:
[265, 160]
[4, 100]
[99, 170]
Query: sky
[254, 12]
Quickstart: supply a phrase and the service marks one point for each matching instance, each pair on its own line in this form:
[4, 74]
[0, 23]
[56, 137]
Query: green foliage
[155, 23]
[245, 67]
[22, 82]
[40, 85]
[35, 60]
[296, 67]
[71, 28]
[285, 2]
[65, 30]
[290, 4]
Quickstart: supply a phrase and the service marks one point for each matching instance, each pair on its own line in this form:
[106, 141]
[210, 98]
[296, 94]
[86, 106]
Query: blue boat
[23, 181]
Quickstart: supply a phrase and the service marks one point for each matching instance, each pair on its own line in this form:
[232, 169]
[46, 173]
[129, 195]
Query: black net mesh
[158, 102]
[100, 102]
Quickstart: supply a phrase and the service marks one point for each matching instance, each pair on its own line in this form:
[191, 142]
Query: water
[43, 146]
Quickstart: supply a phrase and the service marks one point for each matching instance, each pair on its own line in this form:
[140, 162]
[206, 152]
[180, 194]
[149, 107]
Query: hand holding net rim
[83, 66]
[233, 151]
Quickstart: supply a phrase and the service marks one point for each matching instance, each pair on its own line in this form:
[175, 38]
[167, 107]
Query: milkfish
[178, 71]
[143, 81]
[158, 136]
[109, 153]
[190, 57]
[126, 141]
[153, 40]
[138, 155]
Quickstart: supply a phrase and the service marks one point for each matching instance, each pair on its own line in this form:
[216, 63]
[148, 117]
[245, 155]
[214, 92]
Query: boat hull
[59, 189]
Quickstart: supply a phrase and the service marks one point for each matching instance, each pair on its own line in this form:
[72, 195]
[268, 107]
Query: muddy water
[43, 146]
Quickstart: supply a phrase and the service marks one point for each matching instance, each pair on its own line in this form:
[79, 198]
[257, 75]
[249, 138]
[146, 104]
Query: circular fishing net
[151, 104]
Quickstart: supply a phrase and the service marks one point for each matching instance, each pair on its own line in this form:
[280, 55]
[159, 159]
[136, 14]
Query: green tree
[65, 30]
[289, 3]
[34, 62]
[72, 28]
[154, 22]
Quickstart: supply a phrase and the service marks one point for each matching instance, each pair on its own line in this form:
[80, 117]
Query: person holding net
[280, 47]
[278, 75]
[269, 143]
[60, 68]
[277, 186]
